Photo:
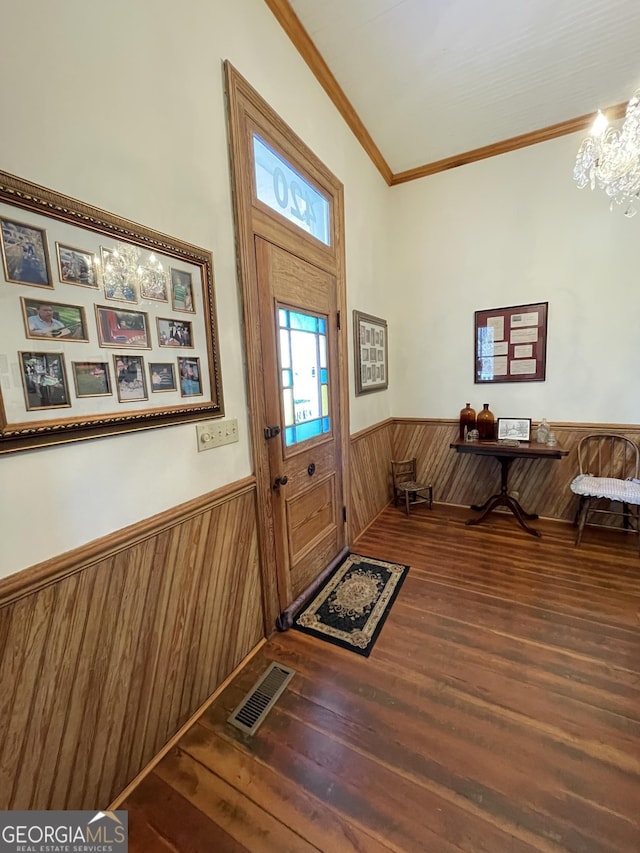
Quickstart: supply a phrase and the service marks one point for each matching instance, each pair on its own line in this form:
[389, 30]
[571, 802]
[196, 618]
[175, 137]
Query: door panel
[298, 326]
[311, 517]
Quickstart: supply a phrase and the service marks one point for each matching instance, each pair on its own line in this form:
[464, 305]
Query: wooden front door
[298, 327]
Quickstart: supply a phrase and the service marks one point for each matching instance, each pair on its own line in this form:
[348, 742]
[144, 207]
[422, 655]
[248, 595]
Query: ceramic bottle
[486, 424]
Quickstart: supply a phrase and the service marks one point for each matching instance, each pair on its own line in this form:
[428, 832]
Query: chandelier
[125, 278]
[610, 158]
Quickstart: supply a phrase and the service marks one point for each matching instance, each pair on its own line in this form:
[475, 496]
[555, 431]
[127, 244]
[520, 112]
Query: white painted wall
[120, 104]
[506, 231]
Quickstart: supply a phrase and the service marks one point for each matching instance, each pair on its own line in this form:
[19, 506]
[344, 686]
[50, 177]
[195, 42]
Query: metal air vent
[261, 698]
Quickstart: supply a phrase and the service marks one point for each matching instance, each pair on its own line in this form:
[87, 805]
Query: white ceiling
[431, 79]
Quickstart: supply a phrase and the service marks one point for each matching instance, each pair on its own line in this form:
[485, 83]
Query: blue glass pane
[287, 379]
[283, 318]
[322, 325]
[305, 322]
[323, 377]
[290, 435]
[308, 429]
[326, 424]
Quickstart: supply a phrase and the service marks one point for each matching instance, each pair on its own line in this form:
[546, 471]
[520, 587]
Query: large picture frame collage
[105, 325]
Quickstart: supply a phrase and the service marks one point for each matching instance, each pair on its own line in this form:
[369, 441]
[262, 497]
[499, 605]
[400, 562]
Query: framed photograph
[112, 281]
[120, 284]
[370, 353]
[174, 333]
[25, 255]
[76, 266]
[154, 284]
[119, 328]
[91, 378]
[130, 379]
[511, 344]
[163, 376]
[182, 291]
[189, 370]
[44, 320]
[44, 380]
[518, 428]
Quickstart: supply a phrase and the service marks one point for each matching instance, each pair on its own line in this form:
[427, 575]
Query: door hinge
[339, 321]
[344, 514]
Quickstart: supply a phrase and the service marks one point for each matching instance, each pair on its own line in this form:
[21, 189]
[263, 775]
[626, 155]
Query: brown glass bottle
[467, 421]
[486, 424]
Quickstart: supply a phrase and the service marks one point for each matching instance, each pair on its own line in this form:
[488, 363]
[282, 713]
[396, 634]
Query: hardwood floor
[499, 711]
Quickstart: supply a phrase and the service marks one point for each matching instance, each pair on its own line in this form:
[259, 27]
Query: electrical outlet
[216, 433]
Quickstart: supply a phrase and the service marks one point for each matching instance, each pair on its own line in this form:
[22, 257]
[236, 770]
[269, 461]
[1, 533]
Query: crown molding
[553, 131]
[301, 40]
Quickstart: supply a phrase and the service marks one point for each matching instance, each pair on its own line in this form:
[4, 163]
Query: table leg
[506, 500]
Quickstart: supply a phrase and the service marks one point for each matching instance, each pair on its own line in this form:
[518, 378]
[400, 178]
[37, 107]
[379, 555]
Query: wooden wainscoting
[370, 460]
[462, 479]
[106, 651]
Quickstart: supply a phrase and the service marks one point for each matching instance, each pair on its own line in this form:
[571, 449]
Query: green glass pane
[283, 318]
[287, 399]
[325, 400]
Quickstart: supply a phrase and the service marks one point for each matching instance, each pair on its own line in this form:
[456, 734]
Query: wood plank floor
[499, 711]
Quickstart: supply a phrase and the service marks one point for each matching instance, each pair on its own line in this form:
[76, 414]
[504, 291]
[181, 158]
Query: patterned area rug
[350, 608]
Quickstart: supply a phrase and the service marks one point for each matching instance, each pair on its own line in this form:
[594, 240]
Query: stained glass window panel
[304, 374]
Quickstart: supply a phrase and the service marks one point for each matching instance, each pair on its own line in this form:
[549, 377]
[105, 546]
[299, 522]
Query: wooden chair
[403, 472]
[608, 474]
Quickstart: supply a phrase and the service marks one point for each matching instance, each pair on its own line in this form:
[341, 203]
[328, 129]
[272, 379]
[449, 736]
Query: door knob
[280, 481]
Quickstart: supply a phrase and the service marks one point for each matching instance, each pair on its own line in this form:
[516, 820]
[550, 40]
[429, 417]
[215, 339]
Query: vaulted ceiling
[427, 85]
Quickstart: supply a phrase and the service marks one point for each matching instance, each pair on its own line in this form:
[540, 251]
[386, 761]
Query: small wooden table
[505, 454]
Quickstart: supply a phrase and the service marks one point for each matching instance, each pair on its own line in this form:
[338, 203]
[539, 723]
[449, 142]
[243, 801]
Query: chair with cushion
[405, 486]
[608, 475]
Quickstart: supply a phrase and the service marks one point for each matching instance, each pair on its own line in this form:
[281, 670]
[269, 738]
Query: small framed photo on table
[516, 428]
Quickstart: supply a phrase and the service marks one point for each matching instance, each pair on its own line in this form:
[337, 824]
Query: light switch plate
[216, 433]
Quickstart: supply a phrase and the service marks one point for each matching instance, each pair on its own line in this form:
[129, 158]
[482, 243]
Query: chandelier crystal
[609, 158]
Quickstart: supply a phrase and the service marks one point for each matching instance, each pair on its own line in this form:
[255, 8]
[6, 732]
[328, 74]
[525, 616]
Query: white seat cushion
[626, 491]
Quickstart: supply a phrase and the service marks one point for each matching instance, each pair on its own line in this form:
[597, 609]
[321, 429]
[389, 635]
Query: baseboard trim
[157, 758]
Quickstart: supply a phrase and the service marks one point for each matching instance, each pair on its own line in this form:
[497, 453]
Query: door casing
[249, 113]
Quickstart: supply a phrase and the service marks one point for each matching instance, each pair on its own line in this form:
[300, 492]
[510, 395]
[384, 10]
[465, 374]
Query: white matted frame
[516, 428]
[50, 244]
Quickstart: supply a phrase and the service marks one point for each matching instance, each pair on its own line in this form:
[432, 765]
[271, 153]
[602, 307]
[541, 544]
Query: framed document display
[511, 344]
[370, 339]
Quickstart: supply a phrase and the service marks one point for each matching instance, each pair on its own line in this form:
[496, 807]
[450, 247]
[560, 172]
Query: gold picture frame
[39, 232]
